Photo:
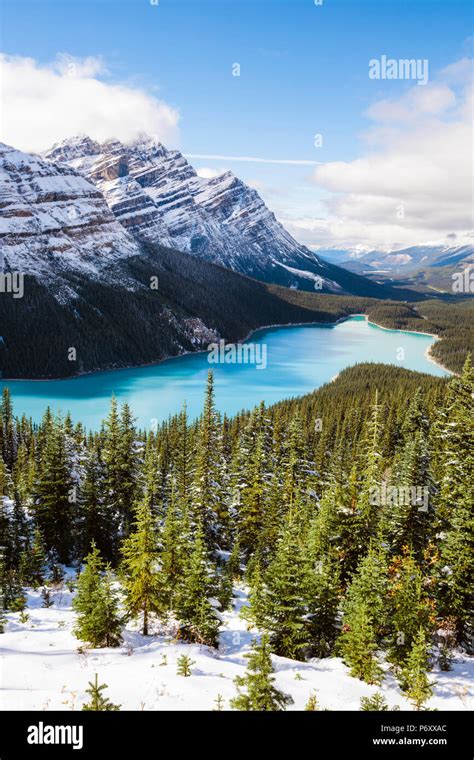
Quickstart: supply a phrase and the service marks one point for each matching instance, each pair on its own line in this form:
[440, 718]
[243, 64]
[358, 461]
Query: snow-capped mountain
[158, 196]
[88, 280]
[406, 260]
[54, 221]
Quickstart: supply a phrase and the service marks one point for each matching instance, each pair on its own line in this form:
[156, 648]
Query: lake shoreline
[428, 355]
[79, 375]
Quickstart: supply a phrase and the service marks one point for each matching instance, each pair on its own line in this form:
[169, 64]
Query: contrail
[253, 159]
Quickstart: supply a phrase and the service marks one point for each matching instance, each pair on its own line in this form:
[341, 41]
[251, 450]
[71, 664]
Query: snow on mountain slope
[157, 195]
[53, 220]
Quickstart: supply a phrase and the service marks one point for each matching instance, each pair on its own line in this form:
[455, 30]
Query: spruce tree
[358, 644]
[194, 607]
[7, 430]
[105, 617]
[455, 571]
[252, 480]
[207, 505]
[286, 595]
[312, 703]
[323, 606]
[368, 509]
[370, 586]
[414, 677]
[257, 691]
[176, 543]
[375, 703]
[120, 459]
[183, 461]
[96, 606]
[409, 607]
[184, 665]
[34, 564]
[98, 702]
[144, 586]
[95, 519]
[54, 508]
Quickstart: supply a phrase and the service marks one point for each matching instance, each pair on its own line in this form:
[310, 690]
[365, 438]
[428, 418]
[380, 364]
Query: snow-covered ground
[44, 667]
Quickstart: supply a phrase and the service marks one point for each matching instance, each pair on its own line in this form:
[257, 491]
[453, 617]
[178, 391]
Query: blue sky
[303, 70]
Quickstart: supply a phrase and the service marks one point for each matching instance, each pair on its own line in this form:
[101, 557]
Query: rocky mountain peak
[54, 220]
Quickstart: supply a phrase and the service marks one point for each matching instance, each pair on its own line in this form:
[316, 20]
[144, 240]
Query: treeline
[125, 322]
[81, 325]
[348, 513]
[452, 322]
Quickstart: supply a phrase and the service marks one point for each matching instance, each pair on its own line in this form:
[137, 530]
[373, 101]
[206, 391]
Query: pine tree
[96, 606]
[295, 466]
[14, 598]
[375, 703]
[323, 606]
[414, 679]
[24, 473]
[358, 644]
[34, 563]
[286, 593]
[410, 518]
[312, 703]
[184, 665]
[260, 693]
[194, 606]
[207, 505]
[176, 541]
[144, 586]
[121, 462]
[455, 433]
[183, 460]
[368, 510]
[97, 700]
[54, 508]
[96, 521]
[409, 607]
[7, 430]
[107, 621]
[252, 481]
[370, 586]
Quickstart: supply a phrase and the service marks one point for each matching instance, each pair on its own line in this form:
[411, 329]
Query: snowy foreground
[44, 667]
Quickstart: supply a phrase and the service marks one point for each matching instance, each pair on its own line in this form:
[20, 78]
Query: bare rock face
[158, 197]
[53, 220]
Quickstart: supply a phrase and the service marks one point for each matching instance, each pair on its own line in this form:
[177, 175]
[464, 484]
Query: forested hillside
[347, 513]
[194, 301]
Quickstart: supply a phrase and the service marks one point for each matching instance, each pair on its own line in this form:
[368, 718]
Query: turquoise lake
[298, 360]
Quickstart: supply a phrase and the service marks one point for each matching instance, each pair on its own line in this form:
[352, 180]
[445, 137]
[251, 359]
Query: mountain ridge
[159, 198]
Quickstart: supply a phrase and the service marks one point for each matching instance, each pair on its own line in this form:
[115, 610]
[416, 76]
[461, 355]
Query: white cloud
[419, 101]
[414, 184]
[43, 104]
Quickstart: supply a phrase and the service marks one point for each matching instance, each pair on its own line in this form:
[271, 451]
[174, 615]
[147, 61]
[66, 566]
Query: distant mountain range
[431, 266]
